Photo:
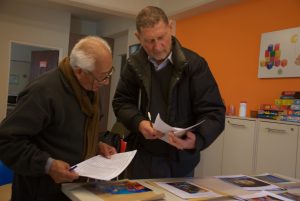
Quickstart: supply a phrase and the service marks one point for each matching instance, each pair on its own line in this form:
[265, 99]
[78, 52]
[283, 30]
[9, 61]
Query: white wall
[120, 47]
[127, 8]
[83, 27]
[122, 30]
[174, 7]
[132, 39]
[31, 25]
[112, 27]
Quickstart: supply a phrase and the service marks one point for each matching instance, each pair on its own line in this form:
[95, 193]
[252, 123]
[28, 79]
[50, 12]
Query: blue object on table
[6, 174]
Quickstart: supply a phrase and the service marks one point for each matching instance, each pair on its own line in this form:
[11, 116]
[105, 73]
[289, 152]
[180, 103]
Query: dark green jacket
[193, 96]
[47, 122]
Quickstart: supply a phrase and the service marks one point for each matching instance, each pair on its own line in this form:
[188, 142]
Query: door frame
[30, 45]
[60, 49]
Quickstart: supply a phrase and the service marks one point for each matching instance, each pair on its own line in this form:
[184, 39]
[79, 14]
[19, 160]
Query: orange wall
[229, 39]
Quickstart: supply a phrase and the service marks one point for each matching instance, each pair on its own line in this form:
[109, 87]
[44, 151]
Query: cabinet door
[298, 156]
[277, 148]
[238, 146]
[211, 159]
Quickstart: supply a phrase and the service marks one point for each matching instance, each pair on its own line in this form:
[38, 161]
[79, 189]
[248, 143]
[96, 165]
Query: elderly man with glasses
[104, 78]
[55, 123]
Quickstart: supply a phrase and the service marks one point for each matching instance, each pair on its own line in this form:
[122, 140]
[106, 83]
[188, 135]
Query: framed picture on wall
[14, 79]
[279, 54]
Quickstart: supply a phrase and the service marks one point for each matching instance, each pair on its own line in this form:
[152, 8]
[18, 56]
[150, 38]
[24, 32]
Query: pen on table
[72, 168]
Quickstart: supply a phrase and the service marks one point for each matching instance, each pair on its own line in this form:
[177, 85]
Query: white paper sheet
[99, 167]
[163, 127]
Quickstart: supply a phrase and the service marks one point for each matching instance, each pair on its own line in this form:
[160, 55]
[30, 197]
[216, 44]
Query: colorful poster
[280, 54]
[122, 190]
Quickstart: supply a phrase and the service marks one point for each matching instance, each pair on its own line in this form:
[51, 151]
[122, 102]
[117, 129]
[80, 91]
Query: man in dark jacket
[164, 78]
[55, 123]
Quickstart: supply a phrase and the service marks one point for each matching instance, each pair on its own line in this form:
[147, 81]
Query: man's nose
[106, 82]
[157, 46]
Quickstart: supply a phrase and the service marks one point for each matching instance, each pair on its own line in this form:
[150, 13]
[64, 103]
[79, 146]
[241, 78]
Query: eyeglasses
[100, 81]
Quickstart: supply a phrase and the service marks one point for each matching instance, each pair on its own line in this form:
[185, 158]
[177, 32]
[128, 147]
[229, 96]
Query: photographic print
[119, 187]
[264, 196]
[122, 190]
[187, 187]
[272, 178]
[248, 183]
[188, 190]
[290, 196]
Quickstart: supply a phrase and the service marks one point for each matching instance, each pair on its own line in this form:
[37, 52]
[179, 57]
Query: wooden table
[77, 193]
[5, 192]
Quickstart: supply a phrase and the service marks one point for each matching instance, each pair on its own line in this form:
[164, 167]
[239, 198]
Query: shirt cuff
[48, 164]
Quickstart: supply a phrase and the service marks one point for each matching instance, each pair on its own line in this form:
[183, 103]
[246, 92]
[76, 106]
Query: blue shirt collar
[162, 64]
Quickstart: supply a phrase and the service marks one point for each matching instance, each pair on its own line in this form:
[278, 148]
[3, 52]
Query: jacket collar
[179, 58]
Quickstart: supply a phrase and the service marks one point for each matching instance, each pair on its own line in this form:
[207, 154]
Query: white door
[277, 148]
[238, 150]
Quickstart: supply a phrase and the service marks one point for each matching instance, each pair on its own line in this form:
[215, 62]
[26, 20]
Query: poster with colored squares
[280, 54]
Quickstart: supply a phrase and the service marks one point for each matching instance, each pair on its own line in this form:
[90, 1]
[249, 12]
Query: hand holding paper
[163, 127]
[188, 142]
[102, 168]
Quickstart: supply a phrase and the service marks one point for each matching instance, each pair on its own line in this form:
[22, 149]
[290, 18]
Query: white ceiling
[101, 9]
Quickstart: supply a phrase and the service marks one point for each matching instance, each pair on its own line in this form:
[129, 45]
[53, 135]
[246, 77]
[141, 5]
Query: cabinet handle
[237, 125]
[272, 130]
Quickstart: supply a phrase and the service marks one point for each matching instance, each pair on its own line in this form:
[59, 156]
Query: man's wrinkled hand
[145, 127]
[106, 150]
[189, 142]
[59, 172]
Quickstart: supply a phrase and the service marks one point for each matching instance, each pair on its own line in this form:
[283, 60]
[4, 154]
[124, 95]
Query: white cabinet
[232, 152]
[253, 146]
[238, 149]
[211, 159]
[277, 148]
[298, 156]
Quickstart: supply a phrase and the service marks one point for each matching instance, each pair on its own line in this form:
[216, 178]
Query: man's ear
[171, 24]
[77, 71]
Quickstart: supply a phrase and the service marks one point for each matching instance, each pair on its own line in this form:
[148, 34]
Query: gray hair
[85, 51]
[150, 16]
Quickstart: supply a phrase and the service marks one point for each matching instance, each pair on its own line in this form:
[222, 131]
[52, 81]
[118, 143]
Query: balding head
[91, 60]
[89, 51]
